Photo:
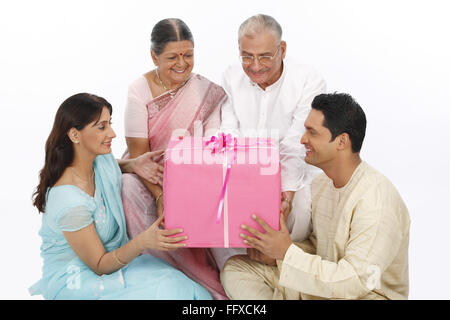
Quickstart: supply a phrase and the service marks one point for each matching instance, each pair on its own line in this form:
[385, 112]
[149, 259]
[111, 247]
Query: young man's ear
[344, 141]
[73, 135]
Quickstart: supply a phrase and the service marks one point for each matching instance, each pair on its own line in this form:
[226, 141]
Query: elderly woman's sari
[195, 106]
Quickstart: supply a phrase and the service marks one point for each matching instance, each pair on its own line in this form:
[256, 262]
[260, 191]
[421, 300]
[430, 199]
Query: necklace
[171, 92]
[90, 178]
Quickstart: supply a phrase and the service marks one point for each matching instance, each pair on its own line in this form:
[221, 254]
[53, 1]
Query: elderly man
[270, 96]
[359, 245]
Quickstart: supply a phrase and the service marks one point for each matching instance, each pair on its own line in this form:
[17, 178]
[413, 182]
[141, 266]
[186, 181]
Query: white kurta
[279, 112]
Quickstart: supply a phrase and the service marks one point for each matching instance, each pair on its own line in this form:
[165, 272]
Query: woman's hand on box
[146, 167]
[160, 239]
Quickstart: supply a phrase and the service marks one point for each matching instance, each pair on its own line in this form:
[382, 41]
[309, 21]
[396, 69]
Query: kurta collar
[354, 176]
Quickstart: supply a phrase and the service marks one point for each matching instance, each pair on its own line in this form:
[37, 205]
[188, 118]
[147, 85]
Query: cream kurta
[359, 245]
[358, 248]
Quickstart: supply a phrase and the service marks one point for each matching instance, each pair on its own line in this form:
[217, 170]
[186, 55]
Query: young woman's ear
[73, 135]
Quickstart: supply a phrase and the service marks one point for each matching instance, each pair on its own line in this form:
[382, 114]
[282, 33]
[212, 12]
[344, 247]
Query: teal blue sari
[65, 276]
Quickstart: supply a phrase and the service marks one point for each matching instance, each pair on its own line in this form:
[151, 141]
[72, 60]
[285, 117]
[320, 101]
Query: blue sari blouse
[64, 274]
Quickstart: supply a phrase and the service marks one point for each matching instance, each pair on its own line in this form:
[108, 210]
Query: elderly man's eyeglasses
[266, 60]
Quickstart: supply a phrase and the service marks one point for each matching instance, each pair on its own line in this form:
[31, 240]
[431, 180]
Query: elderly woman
[168, 100]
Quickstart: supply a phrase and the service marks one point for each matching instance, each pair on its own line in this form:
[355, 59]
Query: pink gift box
[194, 177]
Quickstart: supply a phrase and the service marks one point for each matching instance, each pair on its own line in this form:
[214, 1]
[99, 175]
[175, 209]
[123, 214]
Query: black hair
[342, 115]
[75, 112]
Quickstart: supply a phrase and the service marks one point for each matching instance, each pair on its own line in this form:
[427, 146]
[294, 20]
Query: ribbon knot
[221, 144]
[225, 143]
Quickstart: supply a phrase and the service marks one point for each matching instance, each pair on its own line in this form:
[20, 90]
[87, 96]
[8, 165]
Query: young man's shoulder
[366, 179]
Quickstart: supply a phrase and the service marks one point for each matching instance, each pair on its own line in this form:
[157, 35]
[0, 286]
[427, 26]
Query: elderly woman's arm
[145, 166]
[137, 147]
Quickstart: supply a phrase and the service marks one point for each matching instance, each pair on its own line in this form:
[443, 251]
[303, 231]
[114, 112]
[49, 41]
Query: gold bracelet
[157, 198]
[289, 202]
[117, 259]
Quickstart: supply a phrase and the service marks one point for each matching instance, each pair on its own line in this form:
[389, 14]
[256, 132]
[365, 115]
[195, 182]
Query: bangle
[289, 202]
[117, 259]
[157, 198]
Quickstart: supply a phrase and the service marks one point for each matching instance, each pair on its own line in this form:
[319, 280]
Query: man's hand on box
[272, 243]
[286, 203]
[257, 255]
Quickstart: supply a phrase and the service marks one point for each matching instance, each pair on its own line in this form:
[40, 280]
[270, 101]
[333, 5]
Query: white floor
[395, 67]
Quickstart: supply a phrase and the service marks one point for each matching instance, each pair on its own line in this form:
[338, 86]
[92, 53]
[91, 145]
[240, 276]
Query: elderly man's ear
[283, 49]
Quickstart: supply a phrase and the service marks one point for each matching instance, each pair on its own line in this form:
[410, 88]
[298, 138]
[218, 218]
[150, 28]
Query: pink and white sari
[198, 100]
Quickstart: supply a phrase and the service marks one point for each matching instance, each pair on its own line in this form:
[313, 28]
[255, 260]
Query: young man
[359, 245]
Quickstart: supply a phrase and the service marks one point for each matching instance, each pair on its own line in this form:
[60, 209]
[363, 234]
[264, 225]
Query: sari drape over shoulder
[66, 276]
[194, 108]
[198, 100]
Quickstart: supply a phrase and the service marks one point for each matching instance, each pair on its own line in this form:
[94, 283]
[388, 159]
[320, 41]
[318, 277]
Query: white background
[392, 56]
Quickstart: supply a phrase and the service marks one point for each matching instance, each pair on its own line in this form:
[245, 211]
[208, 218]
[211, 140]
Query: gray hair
[259, 23]
[169, 30]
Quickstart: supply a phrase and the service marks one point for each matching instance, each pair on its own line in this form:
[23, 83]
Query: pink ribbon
[226, 143]
[221, 144]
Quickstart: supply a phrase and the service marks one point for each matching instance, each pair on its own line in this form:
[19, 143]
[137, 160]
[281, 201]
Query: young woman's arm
[89, 248]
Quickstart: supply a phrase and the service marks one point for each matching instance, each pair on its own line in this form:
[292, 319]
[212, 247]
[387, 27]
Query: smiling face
[320, 150]
[175, 63]
[263, 44]
[95, 138]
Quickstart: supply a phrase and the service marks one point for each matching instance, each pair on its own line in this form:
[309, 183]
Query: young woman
[84, 243]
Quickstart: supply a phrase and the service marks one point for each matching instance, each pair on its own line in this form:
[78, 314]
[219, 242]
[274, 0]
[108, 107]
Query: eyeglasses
[266, 60]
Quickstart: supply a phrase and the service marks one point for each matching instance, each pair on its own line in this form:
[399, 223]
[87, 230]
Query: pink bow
[221, 144]
[225, 143]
